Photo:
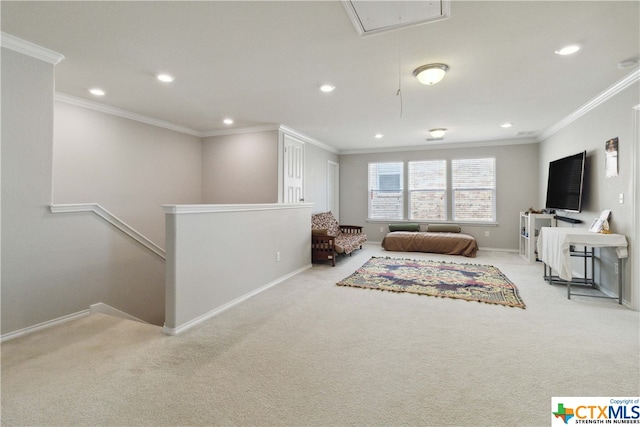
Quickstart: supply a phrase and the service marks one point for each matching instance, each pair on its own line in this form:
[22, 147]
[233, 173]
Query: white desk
[554, 250]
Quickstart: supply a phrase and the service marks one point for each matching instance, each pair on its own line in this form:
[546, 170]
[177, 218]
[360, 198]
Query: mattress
[424, 241]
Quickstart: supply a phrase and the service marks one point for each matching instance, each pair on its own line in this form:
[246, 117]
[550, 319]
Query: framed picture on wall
[611, 157]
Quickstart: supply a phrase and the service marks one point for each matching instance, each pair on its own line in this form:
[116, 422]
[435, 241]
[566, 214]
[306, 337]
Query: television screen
[564, 187]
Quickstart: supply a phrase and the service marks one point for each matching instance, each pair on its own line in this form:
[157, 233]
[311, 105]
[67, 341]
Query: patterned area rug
[471, 282]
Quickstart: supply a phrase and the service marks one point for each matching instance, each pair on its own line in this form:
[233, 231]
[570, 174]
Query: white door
[333, 189]
[293, 170]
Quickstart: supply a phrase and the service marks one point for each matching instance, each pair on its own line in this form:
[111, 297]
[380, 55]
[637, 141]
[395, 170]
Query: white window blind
[473, 185]
[386, 191]
[428, 190]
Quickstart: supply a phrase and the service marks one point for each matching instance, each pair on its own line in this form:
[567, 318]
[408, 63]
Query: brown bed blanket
[439, 243]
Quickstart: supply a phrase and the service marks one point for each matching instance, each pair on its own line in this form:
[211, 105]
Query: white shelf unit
[530, 225]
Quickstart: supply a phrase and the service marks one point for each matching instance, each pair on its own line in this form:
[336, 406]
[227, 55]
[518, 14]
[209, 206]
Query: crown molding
[292, 132]
[30, 49]
[595, 102]
[96, 106]
[444, 146]
[248, 129]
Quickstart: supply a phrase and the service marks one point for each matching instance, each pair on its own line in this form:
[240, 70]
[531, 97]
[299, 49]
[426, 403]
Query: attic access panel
[371, 17]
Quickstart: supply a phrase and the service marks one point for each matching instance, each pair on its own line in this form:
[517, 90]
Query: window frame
[400, 191]
[449, 192]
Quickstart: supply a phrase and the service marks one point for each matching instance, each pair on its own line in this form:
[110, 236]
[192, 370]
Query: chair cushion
[325, 221]
[347, 243]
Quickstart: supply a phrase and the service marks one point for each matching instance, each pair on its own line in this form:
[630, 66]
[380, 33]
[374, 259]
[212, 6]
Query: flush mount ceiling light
[431, 74]
[437, 133]
[96, 91]
[568, 50]
[228, 121]
[327, 88]
[165, 78]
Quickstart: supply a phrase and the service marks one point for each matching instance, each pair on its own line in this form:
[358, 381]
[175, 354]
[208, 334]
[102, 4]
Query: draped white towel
[554, 246]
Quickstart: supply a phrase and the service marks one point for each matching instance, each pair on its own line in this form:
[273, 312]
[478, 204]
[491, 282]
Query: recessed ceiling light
[437, 133]
[327, 88]
[568, 50]
[97, 91]
[166, 78]
[228, 121]
[506, 125]
[378, 135]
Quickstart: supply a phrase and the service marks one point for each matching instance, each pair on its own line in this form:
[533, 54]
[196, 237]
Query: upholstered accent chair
[328, 238]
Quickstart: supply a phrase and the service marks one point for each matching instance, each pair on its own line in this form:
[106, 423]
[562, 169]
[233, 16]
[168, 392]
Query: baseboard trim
[190, 324]
[44, 325]
[513, 251]
[480, 248]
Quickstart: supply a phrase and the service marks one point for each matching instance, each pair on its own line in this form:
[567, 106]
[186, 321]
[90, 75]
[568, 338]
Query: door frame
[333, 176]
[282, 134]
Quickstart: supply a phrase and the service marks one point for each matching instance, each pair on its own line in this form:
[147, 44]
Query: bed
[439, 239]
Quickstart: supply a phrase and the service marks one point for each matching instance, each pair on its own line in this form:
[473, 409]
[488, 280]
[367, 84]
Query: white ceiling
[262, 62]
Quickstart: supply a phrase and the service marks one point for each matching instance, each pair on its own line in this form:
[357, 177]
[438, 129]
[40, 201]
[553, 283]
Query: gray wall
[240, 168]
[243, 168]
[517, 188]
[614, 118]
[129, 168]
[315, 169]
[220, 254]
[56, 265]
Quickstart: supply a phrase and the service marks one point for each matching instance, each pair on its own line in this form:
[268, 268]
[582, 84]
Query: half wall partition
[220, 255]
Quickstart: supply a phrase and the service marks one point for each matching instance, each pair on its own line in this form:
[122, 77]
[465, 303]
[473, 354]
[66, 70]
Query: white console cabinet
[530, 225]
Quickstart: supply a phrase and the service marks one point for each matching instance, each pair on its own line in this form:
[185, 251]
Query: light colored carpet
[308, 352]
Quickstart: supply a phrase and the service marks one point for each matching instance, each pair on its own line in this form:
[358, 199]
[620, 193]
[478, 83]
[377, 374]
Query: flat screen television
[565, 184]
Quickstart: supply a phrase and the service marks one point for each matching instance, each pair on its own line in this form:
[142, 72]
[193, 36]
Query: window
[386, 190]
[428, 190]
[473, 187]
[460, 190]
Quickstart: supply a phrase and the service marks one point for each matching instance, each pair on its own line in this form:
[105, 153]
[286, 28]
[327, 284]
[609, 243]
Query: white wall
[128, 167]
[614, 118]
[240, 168]
[56, 265]
[517, 188]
